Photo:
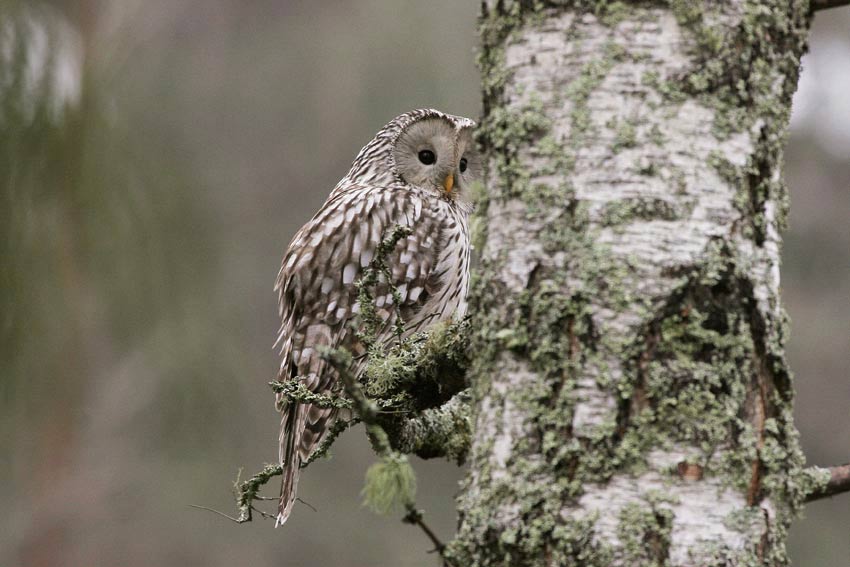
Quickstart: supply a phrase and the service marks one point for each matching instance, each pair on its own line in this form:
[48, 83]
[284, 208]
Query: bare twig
[415, 517]
[240, 519]
[247, 491]
[336, 430]
[366, 409]
[368, 413]
[265, 515]
[838, 483]
[217, 512]
[826, 4]
[310, 506]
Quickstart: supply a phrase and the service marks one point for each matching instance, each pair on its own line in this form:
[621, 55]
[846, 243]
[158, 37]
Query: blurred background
[171, 149]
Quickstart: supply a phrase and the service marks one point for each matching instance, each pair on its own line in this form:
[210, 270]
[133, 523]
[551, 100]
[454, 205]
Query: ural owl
[416, 173]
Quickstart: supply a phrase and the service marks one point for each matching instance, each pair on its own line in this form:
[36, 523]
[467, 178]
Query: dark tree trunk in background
[631, 393]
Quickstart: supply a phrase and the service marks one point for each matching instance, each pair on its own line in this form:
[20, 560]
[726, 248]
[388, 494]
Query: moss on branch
[390, 482]
[443, 431]
[297, 392]
[248, 491]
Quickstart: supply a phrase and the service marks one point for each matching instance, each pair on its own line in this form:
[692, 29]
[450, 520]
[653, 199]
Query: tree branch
[414, 517]
[818, 5]
[367, 411]
[336, 429]
[429, 368]
[295, 391]
[411, 399]
[443, 431]
[247, 491]
[838, 482]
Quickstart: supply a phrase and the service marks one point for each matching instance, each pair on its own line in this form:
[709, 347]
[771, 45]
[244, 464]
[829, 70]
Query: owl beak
[449, 182]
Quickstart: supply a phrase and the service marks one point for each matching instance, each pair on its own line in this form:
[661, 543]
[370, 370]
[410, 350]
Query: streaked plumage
[390, 183]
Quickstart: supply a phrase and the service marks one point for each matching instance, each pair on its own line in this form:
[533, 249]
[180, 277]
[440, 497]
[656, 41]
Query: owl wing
[316, 283]
[317, 297]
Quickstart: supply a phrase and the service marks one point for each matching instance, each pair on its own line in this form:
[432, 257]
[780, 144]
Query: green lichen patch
[444, 431]
[697, 374]
[689, 380]
[625, 134]
[590, 76]
[748, 74]
[550, 329]
[416, 383]
[629, 210]
[538, 536]
[559, 159]
[644, 532]
[478, 220]
[691, 371]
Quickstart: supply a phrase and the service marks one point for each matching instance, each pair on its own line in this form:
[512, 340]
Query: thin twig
[368, 412]
[310, 506]
[366, 409]
[363, 408]
[222, 514]
[415, 518]
[246, 491]
[240, 520]
[839, 482]
[295, 391]
[336, 430]
[265, 515]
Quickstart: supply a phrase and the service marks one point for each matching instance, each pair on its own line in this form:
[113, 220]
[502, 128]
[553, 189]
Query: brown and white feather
[317, 295]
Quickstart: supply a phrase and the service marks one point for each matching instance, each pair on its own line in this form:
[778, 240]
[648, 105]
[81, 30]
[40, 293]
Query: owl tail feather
[292, 426]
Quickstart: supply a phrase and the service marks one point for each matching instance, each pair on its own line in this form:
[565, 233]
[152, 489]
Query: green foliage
[390, 485]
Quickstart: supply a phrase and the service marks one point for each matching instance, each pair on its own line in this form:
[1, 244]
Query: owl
[416, 173]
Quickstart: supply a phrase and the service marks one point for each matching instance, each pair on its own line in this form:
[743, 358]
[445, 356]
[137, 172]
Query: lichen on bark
[628, 336]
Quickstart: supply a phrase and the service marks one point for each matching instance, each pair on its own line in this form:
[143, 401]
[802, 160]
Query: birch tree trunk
[632, 398]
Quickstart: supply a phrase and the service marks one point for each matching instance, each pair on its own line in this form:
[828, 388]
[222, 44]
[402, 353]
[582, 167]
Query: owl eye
[463, 164]
[427, 157]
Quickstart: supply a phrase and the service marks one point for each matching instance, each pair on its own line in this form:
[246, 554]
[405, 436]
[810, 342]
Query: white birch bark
[632, 399]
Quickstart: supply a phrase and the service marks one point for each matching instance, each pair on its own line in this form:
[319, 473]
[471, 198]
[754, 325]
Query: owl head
[424, 148]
